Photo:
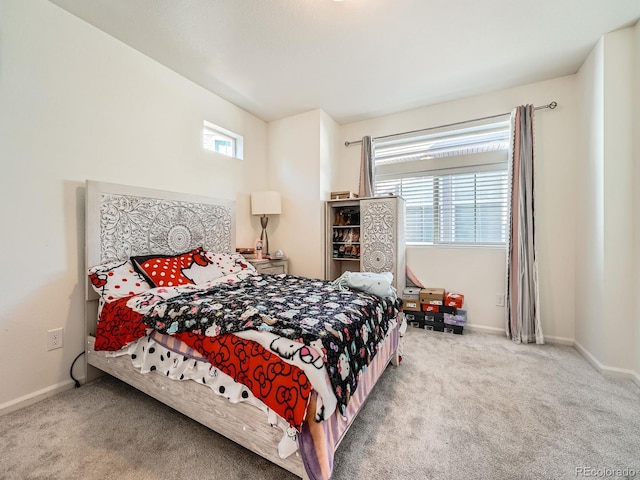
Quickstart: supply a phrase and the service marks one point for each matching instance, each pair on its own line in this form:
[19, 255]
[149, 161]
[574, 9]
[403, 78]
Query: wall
[76, 104]
[605, 248]
[294, 171]
[618, 188]
[636, 175]
[479, 273]
[589, 251]
[330, 149]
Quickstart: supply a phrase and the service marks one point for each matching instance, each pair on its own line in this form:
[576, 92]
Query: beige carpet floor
[459, 407]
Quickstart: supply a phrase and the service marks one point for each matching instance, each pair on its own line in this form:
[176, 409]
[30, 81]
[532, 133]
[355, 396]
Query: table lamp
[265, 203]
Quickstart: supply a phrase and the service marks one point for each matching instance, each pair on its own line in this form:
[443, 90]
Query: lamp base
[264, 220]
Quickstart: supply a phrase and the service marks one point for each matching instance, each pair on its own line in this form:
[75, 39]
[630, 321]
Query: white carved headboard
[124, 221]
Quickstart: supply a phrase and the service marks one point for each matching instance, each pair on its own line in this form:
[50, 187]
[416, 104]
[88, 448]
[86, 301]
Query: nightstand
[272, 266]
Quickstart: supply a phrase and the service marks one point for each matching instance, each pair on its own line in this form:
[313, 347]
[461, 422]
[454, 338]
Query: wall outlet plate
[500, 299]
[54, 338]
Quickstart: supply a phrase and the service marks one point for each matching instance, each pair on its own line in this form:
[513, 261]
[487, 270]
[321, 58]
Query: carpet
[470, 406]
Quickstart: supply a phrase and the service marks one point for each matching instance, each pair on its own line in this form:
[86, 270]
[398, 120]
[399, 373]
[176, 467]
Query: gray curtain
[366, 168]
[522, 303]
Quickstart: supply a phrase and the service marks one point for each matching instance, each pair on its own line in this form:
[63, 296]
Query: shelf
[346, 243]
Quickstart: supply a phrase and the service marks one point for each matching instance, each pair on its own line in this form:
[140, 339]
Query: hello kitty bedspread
[344, 327]
[284, 385]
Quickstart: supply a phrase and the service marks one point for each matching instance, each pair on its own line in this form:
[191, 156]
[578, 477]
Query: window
[218, 139]
[455, 184]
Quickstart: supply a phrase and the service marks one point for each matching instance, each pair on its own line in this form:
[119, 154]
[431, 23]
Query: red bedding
[283, 387]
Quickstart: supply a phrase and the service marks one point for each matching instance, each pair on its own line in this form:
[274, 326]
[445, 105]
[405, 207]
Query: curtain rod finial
[553, 105]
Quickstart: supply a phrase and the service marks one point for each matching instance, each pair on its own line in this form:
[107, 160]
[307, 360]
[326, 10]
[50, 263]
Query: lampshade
[266, 203]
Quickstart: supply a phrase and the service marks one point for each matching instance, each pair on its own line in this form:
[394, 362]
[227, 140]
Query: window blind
[455, 184]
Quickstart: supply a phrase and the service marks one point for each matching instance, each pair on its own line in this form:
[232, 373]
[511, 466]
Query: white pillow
[117, 280]
[221, 264]
[375, 283]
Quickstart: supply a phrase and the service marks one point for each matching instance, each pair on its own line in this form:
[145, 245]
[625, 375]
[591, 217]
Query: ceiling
[358, 59]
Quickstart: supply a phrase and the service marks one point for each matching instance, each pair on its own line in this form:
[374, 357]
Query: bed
[298, 428]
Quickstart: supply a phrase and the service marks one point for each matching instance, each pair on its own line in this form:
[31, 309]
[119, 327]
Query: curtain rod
[551, 106]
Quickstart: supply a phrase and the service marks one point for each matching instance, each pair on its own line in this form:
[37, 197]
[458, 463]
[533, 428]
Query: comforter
[332, 330]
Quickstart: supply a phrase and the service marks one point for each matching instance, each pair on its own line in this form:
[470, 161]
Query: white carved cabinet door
[379, 234]
[382, 237]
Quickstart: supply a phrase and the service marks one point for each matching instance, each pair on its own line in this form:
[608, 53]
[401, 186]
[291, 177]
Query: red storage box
[427, 307]
[454, 300]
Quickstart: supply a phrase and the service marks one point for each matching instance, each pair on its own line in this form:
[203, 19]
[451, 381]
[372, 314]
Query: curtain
[366, 168]
[522, 304]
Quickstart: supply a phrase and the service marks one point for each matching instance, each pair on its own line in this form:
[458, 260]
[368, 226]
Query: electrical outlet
[499, 299]
[54, 338]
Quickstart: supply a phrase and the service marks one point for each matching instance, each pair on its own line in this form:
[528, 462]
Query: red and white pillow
[117, 280]
[169, 270]
[196, 267]
[129, 277]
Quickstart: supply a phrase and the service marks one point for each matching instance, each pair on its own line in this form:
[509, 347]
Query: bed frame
[123, 221]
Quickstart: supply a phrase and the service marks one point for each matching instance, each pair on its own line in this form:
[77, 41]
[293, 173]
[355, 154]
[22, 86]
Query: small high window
[221, 140]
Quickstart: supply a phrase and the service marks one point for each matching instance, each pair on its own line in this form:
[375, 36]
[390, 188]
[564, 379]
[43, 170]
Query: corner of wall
[295, 157]
[589, 251]
[607, 223]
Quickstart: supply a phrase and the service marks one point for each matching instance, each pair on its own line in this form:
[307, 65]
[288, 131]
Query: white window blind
[455, 184]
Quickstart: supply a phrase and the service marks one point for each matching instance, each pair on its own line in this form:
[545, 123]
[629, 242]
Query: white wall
[479, 273]
[589, 251]
[619, 252]
[330, 149]
[636, 175]
[294, 171]
[76, 104]
[605, 248]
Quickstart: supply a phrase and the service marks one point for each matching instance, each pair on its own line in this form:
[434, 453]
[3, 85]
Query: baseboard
[606, 370]
[35, 397]
[603, 369]
[483, 329]
[619, 373]
[559, 340]
[500, 331]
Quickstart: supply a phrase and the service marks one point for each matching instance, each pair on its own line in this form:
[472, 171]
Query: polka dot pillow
[117, 280]
[169, 270]
[229, 263]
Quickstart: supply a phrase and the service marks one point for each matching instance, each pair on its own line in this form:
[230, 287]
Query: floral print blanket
[344, 326]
